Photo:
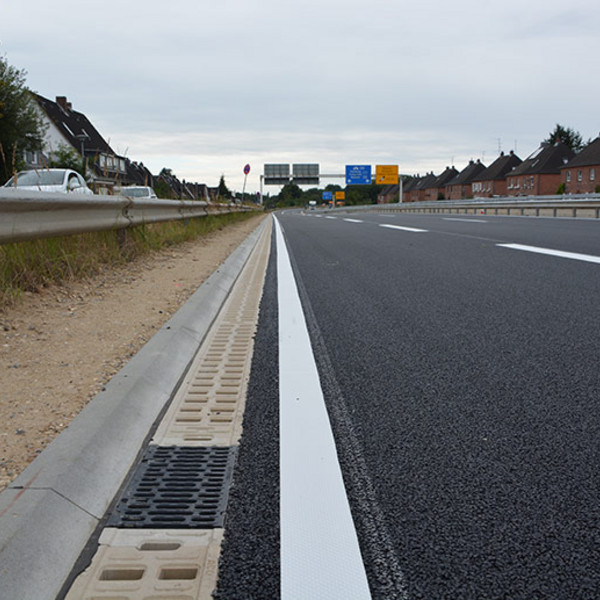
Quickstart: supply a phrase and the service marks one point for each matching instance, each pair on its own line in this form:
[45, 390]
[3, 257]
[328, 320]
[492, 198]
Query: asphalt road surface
[458, 358]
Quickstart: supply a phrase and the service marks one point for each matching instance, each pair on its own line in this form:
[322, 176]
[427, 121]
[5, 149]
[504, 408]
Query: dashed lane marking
[548, 251]
[464, 220]
[353, 221]
[401, 228]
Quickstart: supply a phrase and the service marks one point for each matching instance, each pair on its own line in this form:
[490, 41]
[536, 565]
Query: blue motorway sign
[327, 196]
[358, 174]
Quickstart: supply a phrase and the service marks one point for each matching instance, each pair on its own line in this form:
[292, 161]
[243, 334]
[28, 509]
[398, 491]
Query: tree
[567, 136]
[290, 195]
[223, 190]
[21, 125]
[65, 157]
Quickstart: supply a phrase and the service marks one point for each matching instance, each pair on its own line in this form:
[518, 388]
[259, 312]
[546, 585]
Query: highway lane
[462, 383]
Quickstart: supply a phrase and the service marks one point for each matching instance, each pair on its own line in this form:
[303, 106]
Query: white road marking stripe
[331, 217]
[320, 555]
[561, 254]
[465, 220]
[353, 220]
[413, 229]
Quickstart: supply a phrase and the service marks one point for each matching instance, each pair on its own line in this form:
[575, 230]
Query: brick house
[388, 195]
[581, 175]
[492, 181]
[418, 193]
[436, 190]
[459, 188]
[539, 174]
[408, 187]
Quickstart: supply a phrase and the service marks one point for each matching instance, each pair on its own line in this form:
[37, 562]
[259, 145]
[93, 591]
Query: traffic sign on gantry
[386, 174]
[306, 174]
[277, 174]
[358, 175]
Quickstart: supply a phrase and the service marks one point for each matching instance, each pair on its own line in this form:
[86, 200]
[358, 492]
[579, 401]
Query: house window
[579, 175]
[568, 176]
[592, 174]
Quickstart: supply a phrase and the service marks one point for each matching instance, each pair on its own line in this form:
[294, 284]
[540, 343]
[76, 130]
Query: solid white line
[413, 229]
[465, 220]
[353, 220]
[572, 255]
[320, 555]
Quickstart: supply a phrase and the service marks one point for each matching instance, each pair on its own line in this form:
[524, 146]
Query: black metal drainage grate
[175, 487]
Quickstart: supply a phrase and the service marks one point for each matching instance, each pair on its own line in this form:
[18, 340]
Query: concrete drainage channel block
[49, 512]
[174, 564]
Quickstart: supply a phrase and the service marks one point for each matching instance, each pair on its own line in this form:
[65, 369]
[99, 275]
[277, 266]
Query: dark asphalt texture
[463, 386]
[249, 567]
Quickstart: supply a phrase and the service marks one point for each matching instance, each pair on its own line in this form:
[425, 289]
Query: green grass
[30, 266]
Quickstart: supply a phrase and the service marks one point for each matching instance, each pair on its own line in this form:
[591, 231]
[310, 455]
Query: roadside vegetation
[32, 265]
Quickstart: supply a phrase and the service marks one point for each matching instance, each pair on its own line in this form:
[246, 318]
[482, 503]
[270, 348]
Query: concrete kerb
[49, 512]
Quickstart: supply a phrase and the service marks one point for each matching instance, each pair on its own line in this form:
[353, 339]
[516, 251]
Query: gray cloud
[203, 87]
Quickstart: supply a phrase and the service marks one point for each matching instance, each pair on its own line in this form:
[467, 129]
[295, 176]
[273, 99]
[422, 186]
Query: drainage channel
[163, 537]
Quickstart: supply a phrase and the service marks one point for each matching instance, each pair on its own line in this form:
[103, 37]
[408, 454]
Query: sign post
[246, 171]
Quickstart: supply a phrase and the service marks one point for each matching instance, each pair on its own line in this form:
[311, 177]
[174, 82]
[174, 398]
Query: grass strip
[31, 265]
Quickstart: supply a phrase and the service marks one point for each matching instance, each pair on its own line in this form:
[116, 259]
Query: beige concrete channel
[207, 410]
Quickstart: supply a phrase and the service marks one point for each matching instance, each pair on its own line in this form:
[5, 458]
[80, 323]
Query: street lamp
[82, 137]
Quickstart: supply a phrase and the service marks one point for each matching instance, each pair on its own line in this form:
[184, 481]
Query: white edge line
[320, 554]
[464, 220]
[413, 229]
[550, 252]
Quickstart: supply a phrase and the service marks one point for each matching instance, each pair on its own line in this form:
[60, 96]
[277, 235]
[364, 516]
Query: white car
[136, 191]
[49, 180]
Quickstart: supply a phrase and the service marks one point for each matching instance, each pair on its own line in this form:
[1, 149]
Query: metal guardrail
[579, 206]
[32, 215]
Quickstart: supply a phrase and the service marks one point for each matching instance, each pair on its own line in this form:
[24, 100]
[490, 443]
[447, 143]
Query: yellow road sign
[386, 174]
[340, 195]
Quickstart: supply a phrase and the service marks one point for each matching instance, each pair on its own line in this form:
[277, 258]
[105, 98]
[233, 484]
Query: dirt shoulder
[59, 347]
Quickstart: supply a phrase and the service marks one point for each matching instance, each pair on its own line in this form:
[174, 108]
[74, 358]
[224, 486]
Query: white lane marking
[331, 217]
[561, 254]
[413, 229]
[465, 220]
[353, 220]
[320, 555]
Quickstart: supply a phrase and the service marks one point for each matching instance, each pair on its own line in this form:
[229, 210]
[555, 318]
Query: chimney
[62, 102]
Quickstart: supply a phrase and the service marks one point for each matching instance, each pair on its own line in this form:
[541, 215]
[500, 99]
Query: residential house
[581, 175]
[72, 129]
[199, 191]
[137, 174]
[539, 173]
[420, 189]
[436, 190]
[408, 186]
[388, 195]
[492, 181]
[460, 187]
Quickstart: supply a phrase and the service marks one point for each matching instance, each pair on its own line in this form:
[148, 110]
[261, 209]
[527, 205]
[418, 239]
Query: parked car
[49, 180]
[136, 191]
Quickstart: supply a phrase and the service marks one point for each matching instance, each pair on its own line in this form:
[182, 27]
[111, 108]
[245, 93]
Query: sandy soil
[59, 347]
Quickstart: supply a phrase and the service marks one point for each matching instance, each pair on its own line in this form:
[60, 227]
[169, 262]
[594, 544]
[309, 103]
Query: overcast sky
[204, 87]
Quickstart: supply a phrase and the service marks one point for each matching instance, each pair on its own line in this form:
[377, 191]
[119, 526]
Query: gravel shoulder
[59, 347]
